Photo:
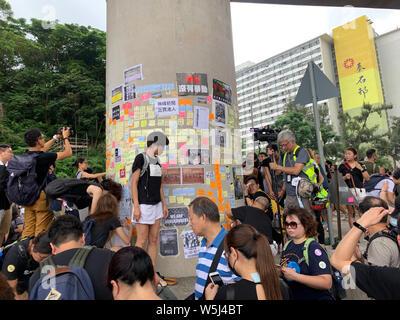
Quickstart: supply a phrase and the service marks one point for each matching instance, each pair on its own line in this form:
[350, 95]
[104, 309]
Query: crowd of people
[61, 228]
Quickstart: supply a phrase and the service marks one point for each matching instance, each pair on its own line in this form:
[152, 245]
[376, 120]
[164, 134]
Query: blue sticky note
[189, 108]
[182, 108]
[141, 138]
[166, 192]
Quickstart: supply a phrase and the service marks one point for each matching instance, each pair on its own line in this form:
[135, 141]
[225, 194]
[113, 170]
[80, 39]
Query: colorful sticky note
[201, 193]
[209, 99]
[182, 114]
[210, 194]
[131, 113]
[113, 144]
[172, 199]
[114, 122]
[213, 184]
[182, 102]
[122, 118]
[221, 208]
[145, 97]
[350, 199]
[165, 165]
[136, 103]
[188, 102]
[204, 141]
[211, 115]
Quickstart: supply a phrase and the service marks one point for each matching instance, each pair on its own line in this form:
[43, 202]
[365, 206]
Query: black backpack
[64, 188]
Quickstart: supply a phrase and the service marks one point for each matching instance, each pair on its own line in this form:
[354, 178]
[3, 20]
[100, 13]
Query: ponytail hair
[78, 161]
[253, 244]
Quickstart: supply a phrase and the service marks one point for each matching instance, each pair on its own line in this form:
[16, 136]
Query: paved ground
[185, 285]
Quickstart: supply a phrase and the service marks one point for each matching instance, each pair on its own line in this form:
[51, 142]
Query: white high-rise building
[265, 88]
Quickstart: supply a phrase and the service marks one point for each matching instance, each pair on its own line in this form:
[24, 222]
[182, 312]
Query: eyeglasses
[282, 145]
[292, 224]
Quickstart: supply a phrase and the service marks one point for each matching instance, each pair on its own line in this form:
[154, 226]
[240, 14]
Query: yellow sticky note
[208, 182]
[179, 199]
[225, 194]
[189, 122]
[143, 123]
[172, 199]
[186, 201]
[152, 123]
[223, 176]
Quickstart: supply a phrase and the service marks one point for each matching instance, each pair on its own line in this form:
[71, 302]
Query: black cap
[157, 137]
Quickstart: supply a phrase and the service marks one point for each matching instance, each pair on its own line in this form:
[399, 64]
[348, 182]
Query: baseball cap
[158, 137]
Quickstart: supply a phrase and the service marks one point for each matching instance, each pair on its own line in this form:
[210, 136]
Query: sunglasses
[292, 224]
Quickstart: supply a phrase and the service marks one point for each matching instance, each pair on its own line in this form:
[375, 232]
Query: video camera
[266, 134]
[59, 131]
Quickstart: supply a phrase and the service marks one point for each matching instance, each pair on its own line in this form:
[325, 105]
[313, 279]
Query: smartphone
[216, 278]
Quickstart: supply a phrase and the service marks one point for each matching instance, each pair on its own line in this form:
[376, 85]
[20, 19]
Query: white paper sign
[191, 244]
[201, 117]
[166, 107]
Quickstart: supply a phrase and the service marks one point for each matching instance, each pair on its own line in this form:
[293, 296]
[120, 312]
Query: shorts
[150, 213]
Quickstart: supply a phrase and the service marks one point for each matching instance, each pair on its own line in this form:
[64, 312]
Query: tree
[300, 120]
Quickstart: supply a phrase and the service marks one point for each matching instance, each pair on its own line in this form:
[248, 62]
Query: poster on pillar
[193, 84]
[222, 92]
[133, 73]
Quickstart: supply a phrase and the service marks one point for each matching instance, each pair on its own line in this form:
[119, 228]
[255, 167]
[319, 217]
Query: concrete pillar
[170, 37]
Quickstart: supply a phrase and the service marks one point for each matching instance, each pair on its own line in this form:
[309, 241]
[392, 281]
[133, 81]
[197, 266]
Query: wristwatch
[359, 226]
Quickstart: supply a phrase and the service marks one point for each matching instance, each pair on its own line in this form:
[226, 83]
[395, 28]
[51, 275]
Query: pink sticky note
[350, 199]
[145, 96]
[113, 144]
[122, 118]
[137, 103]
[172, 162]
[165, 165]
[209, 99]
[182, 114]
[129, 105]
[112, 165]
[131, 113]
[182, 145]
[204, 141]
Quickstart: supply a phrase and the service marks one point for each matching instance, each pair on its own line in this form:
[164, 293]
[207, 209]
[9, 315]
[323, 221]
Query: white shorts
[149, 213]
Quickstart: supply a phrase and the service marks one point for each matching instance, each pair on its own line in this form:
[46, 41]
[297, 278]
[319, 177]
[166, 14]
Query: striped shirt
[206, 256]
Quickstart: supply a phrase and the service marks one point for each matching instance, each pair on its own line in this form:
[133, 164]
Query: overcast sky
[259, 30]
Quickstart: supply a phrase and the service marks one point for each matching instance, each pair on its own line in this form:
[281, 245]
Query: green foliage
[300, 120]
[51, 78]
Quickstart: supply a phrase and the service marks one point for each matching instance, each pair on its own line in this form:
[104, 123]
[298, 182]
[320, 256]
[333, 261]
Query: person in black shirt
[255, 216]
[107, 222]
[381, 283]
[66, 237]
[148, 195]
[38, 216]
[249, 256]
[5, 214]
[22, 259]
[354, 174]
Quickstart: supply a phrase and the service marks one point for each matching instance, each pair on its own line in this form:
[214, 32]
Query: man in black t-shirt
[22, 259]
[381, 283]
[66, 237]
[148, 195]
[38, 216]
[255, 216]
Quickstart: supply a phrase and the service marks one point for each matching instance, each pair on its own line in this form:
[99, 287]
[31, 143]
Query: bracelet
[66, 138]
[359, 226]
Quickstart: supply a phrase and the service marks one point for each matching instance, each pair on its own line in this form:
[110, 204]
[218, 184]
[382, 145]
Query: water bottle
[338, 277]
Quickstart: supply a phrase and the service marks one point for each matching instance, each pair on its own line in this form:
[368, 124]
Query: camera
[266, 134]
[59, 131]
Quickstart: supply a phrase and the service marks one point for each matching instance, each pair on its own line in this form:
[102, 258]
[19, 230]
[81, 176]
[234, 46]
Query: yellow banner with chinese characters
[357, 64]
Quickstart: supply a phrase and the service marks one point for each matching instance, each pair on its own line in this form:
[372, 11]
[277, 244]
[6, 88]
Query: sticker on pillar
[169, 242]
[191, 244]
[202, 100]
[192, 175]
[178, 216]
[129, 92]
[116, 94]
[219, 138]
[199, 157]
[118, 155]
[237, 174]
[116, 113]
[222, 92]
[220, 113]
[122, 173]
[166, 107]
[171, 176]
[133, 73]
[156, 95]
[201, 118]
[193, 84]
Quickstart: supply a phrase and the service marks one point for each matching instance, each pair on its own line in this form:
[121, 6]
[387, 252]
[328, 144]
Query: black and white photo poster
[129, 92]
[169, 242]
[178, 216]
[191, 244]
[220, 114]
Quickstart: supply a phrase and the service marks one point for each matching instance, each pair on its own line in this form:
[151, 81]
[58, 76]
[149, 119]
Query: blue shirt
[318, 264]
[206, 256]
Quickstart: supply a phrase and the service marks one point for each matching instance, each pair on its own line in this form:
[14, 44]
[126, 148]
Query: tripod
[275, 191]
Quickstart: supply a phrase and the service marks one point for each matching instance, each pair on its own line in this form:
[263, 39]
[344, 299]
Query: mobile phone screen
[216, 279]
